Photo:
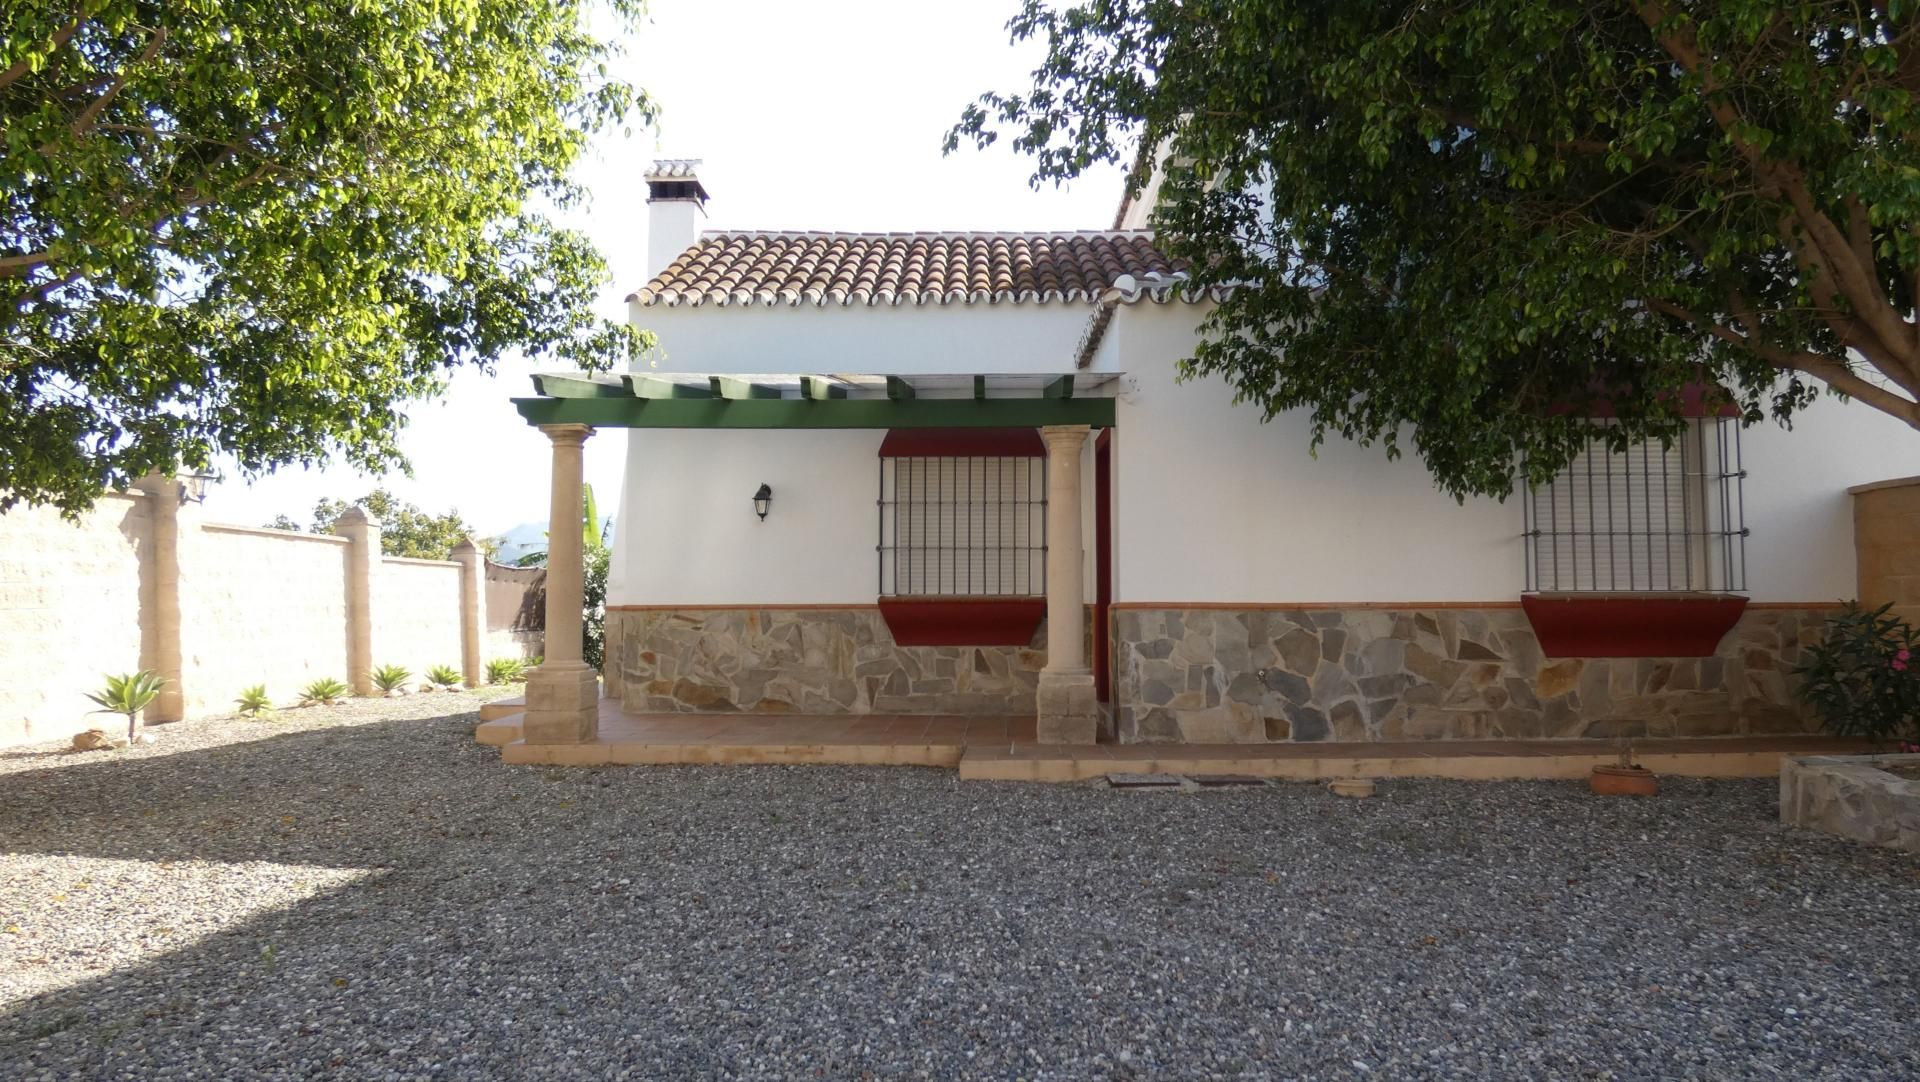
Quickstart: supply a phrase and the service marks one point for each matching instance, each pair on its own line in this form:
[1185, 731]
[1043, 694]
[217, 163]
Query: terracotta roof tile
[912, 268]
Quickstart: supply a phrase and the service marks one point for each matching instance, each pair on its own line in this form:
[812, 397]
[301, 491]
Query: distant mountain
[529, 537]
[522, 539]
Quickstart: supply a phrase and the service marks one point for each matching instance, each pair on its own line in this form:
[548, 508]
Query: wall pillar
[473, 615]
[1886, 542]
[1068, 708]
[563, 693]
[363, 555]
[160, 623]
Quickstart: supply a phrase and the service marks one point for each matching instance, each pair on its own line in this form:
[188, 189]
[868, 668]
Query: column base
[563, 704]
[1069, 710]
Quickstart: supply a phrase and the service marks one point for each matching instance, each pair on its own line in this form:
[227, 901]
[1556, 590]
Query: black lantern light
[763, 501]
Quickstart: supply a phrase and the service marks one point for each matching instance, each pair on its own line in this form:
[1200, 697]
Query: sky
[822, 115]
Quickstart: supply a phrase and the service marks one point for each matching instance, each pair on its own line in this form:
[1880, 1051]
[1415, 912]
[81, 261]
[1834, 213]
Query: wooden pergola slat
[626, 411]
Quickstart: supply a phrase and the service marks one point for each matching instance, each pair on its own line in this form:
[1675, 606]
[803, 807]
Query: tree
[256, 228]
[1468, 225]
[405, 530]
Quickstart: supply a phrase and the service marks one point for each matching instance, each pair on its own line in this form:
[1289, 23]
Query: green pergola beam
[1058, 388]
[899, 389]
[576, 387]
[737, 389]
[655, 387]
[802, 413]
[815, 389]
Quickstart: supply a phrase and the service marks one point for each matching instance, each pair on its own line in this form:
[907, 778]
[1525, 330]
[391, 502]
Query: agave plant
[129, 693]
[391, 678]
[253, 701]
[505, 670]
[325, 690]
[443, 676]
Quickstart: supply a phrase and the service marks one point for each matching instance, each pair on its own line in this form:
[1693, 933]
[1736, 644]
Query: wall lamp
[763, 501]
[193, 487]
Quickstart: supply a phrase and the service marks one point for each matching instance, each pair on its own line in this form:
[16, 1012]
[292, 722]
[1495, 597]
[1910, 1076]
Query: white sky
[826, 115]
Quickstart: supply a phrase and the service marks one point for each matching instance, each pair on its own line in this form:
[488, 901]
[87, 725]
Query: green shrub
[391, 678]
[325, 690]
[128, 693]
[253, 701]
[506, 670]
[1863, 677]
[443, 676]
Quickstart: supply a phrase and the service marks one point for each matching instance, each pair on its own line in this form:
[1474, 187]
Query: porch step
[1471, 760]
[498, 730]
[638, 753]
[500, 708]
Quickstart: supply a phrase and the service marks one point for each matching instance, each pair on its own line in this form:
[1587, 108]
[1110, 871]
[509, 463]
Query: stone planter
[1866, 798]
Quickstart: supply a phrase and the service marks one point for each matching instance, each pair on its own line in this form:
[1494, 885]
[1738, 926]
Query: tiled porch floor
[1004, 749]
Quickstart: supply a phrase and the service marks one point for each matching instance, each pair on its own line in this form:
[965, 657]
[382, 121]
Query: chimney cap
[675, 179]
[674, 169]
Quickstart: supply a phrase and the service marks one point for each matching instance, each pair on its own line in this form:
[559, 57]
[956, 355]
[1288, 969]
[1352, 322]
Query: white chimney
[676, 210]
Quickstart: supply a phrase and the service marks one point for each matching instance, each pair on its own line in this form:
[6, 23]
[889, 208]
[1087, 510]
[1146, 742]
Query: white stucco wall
[688, 535]
[69, 612]
[416, 614]
[258, 607]
[906, 339]
[1214, 506]
[1210, 504]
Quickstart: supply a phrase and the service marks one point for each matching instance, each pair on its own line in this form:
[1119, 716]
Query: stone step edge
[993, 765]
[500, 708]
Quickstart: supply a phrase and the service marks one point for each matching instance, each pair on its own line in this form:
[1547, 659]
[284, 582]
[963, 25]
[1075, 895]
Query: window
[1646, 519]
[954, 526]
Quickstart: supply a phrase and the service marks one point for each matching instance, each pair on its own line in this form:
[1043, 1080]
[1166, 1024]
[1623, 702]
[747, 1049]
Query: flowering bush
[1863, 677]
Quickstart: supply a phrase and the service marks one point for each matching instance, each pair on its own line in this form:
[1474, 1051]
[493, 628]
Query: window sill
[963, 621]
[1679, 624]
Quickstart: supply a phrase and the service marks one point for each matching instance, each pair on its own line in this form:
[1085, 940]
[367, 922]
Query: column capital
[1067, 438]
[561, 435]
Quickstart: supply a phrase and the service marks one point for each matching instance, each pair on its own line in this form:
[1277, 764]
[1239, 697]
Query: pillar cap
[466, 547]
[354, 516]
[567, 433]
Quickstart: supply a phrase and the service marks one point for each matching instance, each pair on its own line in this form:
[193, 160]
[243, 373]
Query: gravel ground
[360, 892]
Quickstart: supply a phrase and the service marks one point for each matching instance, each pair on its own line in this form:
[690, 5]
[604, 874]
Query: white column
[1068, 710]
[563, 694]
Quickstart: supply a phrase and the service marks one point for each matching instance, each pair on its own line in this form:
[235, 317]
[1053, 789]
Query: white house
[955, 473]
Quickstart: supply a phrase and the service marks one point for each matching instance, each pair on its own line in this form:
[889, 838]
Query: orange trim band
[1315, 606]
[1319, 606]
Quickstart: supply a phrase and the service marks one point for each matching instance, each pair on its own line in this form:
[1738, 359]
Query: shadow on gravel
[828, 922]
[232, 802]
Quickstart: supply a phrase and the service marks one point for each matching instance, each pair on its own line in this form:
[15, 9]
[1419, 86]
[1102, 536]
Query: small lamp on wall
[193, 487]
[763, 501]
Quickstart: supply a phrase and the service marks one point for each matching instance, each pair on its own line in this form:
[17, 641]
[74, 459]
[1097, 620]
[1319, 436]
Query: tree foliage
[259, 227]
[1450, 222]
[405, 530]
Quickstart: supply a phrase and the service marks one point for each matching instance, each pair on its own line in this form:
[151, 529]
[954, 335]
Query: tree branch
[85, 121]
[19, 68]
[1833, 373]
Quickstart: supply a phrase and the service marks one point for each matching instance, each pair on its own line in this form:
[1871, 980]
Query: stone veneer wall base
[808, 661]
[1255, 675]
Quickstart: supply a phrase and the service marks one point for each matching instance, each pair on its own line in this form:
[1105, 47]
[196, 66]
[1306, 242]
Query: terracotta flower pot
[1614, 780]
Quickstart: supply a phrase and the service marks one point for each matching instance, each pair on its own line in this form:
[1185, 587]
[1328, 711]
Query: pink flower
[1903, 655]
[1899, 665]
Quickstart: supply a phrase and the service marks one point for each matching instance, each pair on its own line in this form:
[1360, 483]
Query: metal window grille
[1646, 519]
[963, 526]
